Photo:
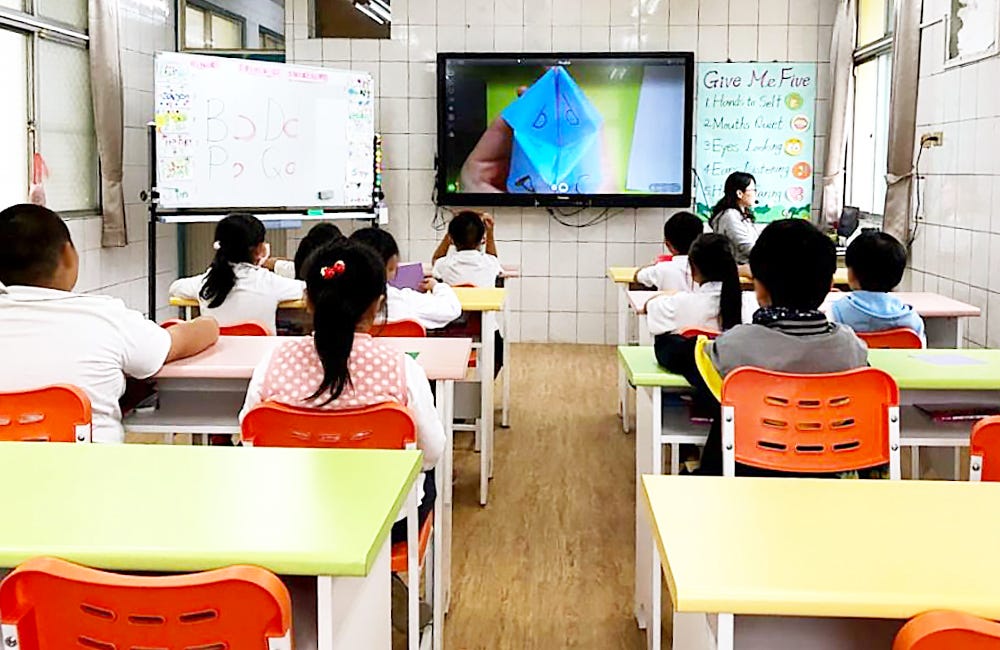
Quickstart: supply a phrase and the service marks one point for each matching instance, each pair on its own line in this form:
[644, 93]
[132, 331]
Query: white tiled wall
[957, 247]
[563, 295]
[147, 26]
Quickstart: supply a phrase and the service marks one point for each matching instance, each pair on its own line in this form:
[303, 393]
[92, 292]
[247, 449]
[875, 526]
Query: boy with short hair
[793, 265]
[679, 232]
[468, 264]
[875, 265]
[50, 335]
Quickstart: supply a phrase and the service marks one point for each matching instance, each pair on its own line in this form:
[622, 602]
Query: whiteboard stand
[211, 215]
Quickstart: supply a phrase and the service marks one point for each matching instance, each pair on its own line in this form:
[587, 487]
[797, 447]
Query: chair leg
[914, 463]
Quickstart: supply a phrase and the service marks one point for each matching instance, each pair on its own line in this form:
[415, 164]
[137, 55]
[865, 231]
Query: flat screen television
[612, 130]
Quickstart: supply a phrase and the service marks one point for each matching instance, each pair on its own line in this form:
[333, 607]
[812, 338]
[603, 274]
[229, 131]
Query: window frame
[36, 27]
[208, 8]
[868, 53]
[264, 32]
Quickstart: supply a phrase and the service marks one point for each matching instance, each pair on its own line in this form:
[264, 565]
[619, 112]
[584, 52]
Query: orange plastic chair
[382, 426]
[51, 603]
[59, 413]
[946, 630]
[695, 332]
[823, 423]
[250, 328]
[400, 329]
[900, 338]
[984, 450]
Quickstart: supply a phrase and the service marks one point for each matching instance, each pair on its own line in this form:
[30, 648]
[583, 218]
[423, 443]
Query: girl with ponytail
[717, 300]
[236, 288]
[341, 366]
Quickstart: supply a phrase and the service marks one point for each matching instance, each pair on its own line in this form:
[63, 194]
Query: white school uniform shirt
[673, 275]
[473, 267]
[698, 308]
[58, 337]
[254, 297]
[433, 310]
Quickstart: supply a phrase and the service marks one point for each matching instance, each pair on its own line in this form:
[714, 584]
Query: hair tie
[216, 245]
[330, 272]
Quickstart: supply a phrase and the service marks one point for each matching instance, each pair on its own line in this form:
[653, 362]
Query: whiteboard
[234, 133]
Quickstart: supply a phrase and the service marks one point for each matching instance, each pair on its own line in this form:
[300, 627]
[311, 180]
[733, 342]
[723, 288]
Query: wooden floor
[548, 563]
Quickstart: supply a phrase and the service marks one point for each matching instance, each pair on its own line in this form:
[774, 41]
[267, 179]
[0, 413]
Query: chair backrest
[818, 423]
[399, 328]
[984, 450]
[695, 332]
[945, 630]
[59, 413]
[249, 328]
[51, 603]
[900, 338]
[383, 426]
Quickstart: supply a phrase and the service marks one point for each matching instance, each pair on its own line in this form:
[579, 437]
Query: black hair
[878, 261]
[380, 240]
[236, 237]
[735, 182]
[681, 230]
[712, 255]
[31, 240]
[795, 262]
[339, 303]
[321, 233]
[467, 230]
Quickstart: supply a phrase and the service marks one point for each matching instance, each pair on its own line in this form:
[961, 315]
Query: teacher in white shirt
[733, 214]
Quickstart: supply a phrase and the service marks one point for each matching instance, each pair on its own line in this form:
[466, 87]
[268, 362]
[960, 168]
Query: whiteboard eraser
[326, 195]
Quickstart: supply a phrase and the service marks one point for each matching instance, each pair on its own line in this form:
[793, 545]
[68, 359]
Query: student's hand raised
[488, 220]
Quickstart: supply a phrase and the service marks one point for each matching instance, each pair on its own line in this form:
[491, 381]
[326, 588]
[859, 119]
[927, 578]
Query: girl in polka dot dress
[341, 366]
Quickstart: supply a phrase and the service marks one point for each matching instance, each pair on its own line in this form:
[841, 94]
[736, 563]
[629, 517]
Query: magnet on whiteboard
[326, 195]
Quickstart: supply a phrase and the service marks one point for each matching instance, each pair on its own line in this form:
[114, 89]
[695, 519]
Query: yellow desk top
[814, 547]
[625, 275]
[472, 299]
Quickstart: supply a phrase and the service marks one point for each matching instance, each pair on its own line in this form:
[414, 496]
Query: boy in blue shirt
[875, 265]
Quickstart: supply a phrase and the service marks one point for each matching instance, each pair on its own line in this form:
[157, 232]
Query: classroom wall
[146, 27]
[563, 296]
[269, 14]
[957, 248]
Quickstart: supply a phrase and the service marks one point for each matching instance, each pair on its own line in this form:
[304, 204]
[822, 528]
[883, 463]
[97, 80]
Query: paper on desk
[947, 359]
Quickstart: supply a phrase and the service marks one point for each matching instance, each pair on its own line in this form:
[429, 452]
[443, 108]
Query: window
[47, 109]
[211, 27]
[271, 41]
[868, 148]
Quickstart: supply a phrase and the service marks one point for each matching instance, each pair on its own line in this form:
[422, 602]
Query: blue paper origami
[556, 143]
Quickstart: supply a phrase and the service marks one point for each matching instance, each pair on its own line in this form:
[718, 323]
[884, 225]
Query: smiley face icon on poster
[802, 170]
[793, 147]
[794, 101]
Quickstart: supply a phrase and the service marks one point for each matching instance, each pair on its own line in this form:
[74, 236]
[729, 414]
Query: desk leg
[354, 613]
[505, 413]
[487, 354]
[443, 519]
[945, 332]
[623, 309]
[648, 460]
[694, 631]
[645, 338]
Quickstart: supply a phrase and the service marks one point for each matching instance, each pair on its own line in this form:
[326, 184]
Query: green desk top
[642, 370]
[178, 509]
[912, 369]
[940, 369]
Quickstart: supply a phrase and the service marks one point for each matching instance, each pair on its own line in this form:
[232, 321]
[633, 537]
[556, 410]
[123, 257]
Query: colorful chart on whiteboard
[234, 133]
[757, 118]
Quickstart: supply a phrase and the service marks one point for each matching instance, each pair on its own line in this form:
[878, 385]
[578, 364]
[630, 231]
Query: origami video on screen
[556, 138]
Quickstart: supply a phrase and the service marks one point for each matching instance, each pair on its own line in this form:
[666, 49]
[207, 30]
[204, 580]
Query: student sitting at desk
[468, 264]
[235, 289]
[318, 235]
[434, 306]
[679, 232]
[793, 265]
[342, 367]
[716, 303]
[875, 264]
[50, 335]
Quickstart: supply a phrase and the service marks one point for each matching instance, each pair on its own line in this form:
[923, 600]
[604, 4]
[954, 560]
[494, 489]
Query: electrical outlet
[935, 139]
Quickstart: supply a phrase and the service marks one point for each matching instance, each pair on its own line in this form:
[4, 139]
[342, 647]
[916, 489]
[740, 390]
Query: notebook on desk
[408, 276]
[958, 412]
